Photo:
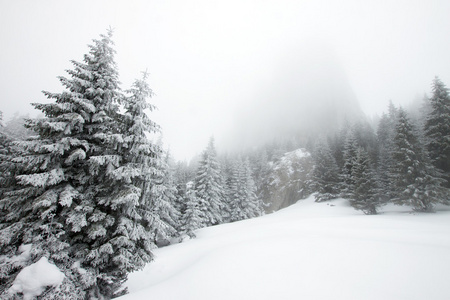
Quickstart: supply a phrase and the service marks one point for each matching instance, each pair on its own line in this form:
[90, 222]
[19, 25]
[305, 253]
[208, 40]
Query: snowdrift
[307, 251]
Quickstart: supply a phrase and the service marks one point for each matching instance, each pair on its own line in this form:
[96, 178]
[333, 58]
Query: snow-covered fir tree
[244, 203]
[81, 200]
[209, 186]
[6, 173]
[253, 206]
[365, 195]
[182, 174]
[236, 191]
[418, 183]
[437, 127]
[15, 127]
[349, 157]
[164, 203]
[192, 218]
[8, 170]
[325, 175]
[261, 170]
[385, 140]
[226, 174]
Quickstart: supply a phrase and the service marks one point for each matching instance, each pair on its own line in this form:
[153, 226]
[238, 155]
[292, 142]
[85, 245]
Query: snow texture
[33, 280]
[309, 250]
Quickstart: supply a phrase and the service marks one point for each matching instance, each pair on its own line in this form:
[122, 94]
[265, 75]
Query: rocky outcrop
[288, 180]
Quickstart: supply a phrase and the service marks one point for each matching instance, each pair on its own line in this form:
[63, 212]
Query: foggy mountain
[306, 94]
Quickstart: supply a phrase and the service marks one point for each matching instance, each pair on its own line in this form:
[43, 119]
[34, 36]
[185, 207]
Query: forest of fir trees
[405, 161]
[85, 187]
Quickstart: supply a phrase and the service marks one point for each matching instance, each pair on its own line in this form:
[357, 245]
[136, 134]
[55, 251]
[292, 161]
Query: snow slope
[307, 251]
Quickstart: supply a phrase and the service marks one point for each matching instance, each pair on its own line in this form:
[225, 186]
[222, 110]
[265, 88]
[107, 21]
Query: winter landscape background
[243, 150]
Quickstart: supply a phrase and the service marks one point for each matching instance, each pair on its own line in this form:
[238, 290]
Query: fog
[307, 93]
[243, 71]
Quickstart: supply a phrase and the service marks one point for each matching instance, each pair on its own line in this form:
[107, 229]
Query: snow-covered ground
[307, 251]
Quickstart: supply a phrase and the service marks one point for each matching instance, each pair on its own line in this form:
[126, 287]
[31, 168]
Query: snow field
[307, 251]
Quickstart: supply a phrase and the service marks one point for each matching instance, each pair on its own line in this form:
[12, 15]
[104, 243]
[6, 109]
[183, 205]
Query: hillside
[307, 251]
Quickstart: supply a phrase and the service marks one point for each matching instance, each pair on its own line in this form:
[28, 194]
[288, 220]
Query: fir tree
[261, 171]
[325, 176]
[385, 140]
[226, 174]
[6, 166]
[253, 206]
[349, 156]
[181, 176]
[208, 186]
[244, 203]
[365, 195]
[437, 128]
[418, 182]
[192, 218]
[164, 201]
[236, 191]
[16, 129]
[85, 177]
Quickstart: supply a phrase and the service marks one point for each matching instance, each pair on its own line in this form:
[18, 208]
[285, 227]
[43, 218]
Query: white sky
[207, 57]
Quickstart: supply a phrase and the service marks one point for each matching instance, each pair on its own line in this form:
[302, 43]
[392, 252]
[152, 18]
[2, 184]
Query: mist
[307, 93]
[241, 71]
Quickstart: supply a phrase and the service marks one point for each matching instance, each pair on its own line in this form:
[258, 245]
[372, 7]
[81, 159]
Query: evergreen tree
[236, 192]
[226, 175]
[244, 203]
[16, 129]
[418, 182]
[85, 179]
[366, 138]
[253, 206]
[192, 218]
[6, 170]
[325, 176]
[385, 139]
[208, 186]
[437, 128]
[181, 176]
[365, 195]
[349, 156]
[260, 162]
[164, 204]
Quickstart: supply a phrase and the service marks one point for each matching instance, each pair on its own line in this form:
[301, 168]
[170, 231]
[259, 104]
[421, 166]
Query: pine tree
[85, 178]
[192, 218]
[253, 206]
[182, 175]
[164, 201]
[16, 129]
[418, 182]
[208, 186]
[244, 204]
[6, 166]
[349, 156]
[325, 176]
[236, 191]
[437, 128]
[226, 174]
[385, 140]
[365, 194]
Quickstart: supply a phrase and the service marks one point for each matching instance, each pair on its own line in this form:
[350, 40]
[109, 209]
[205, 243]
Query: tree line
[405, 162]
